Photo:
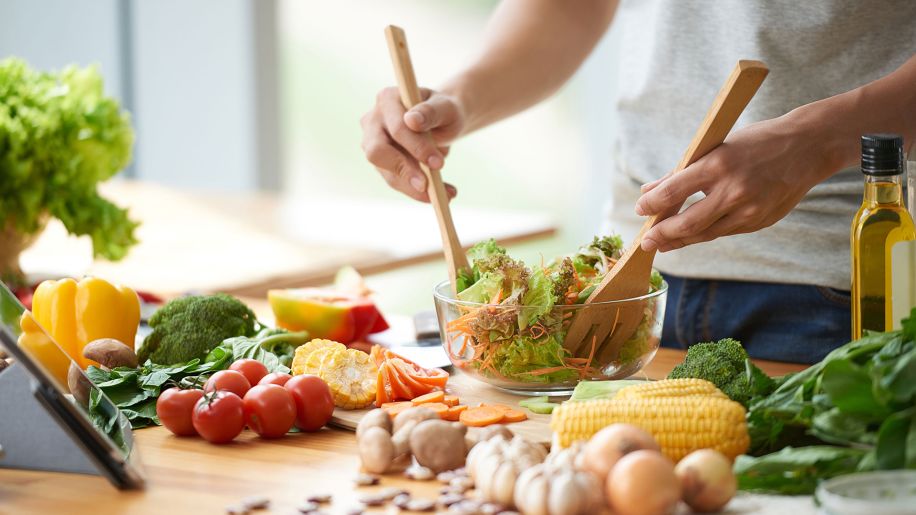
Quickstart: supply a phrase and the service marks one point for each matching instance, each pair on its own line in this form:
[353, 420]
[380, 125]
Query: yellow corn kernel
[680, 424]
[671, 388]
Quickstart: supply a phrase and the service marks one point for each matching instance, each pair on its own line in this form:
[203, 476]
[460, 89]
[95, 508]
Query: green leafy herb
[859, 398]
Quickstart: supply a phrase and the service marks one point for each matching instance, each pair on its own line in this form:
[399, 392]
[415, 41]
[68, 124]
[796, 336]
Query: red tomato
[252, 369]
[174, 409]
[228, 380]
[278, 378]
[269, 410]
[219, 416]
[314, 403]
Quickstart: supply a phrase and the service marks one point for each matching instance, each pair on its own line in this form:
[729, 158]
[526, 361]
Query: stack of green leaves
[853, 411]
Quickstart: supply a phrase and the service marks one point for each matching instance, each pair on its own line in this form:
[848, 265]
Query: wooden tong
[455, 257]
[629, 277]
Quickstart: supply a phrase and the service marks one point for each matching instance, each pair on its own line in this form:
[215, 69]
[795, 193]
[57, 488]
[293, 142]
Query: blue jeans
[782, 322]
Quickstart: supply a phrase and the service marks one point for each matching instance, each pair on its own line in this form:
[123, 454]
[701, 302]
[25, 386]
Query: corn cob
[671, 388]
[680, 424]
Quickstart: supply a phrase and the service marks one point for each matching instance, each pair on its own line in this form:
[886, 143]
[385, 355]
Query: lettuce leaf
[483, 290]
[537, 300]
[523, 354]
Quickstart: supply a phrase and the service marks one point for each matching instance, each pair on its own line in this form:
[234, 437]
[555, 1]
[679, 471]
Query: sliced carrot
[501, 407]
[480, 416]
[429, 397]
[382, 395]
[454, 412]
[399, 387]
[514, 415]
[396, 410]
[438, 407]
[396, 405]
[450, 400]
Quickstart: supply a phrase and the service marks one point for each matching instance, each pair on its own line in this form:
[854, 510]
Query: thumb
[438, 111]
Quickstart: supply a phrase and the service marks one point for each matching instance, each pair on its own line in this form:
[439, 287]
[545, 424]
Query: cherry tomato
[277, 378]
[314, 403]
[174, 409]
[219, 416]
[269, 410]
[252, 369]
[229, 380]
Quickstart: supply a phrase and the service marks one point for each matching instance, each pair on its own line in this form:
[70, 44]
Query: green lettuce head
[60, 136]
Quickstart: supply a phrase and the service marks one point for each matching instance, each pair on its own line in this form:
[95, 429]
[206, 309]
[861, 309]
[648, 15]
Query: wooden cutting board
[472, 392]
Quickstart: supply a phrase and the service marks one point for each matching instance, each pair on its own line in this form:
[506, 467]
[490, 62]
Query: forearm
[885, 105]
[532, 48]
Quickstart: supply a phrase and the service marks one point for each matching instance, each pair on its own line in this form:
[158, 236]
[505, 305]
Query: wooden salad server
[608, 328]
[455, 258]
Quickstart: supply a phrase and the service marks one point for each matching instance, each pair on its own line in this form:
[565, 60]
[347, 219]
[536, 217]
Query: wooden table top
[245, 244]
[188, 475]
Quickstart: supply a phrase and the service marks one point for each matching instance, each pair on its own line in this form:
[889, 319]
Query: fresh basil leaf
[900, 382]
[97, 375]
[891, 449]
[154, 380]
[849, 388]
[795, 470]
[834, 426]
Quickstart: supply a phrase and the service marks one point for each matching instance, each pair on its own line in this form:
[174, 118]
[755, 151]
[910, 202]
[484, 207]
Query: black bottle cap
[882, 154]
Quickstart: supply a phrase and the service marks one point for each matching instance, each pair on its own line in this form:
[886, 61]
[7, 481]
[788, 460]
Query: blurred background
[247, 168]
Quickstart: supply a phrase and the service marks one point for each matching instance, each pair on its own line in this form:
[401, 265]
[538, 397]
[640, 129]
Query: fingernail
[639, 210]
[434, 161]
[418, 183]
[648, 244]
[417, 117]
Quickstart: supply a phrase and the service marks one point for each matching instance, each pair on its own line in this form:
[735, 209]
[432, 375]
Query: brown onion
[707, 480]
[643, 483]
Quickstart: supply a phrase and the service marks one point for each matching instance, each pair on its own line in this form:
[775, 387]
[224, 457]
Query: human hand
[396, 142]
[751, 181]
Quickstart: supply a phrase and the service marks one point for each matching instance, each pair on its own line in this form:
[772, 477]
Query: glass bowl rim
[449, 300]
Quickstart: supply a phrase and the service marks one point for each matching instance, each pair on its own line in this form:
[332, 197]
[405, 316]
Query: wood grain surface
[190, 476]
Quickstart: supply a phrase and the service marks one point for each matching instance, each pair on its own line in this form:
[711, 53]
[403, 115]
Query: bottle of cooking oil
[881, 222]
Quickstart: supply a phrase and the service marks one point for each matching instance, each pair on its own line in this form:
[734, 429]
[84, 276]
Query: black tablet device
[95, 425]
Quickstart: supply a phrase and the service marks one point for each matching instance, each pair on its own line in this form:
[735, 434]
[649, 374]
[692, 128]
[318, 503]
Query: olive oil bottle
[881, 222]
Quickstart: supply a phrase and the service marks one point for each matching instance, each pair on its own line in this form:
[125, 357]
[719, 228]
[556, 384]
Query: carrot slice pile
[402, 379]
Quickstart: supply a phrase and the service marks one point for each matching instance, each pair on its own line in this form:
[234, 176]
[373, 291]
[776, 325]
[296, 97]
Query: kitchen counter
[188, 475]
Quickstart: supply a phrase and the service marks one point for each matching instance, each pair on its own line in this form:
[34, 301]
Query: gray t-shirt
[675, 55]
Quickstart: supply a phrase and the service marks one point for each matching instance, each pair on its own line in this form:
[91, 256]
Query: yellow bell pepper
[41, 347]
[76, 313]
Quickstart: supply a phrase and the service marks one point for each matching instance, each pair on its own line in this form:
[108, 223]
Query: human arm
[763, 171]
[532, 47]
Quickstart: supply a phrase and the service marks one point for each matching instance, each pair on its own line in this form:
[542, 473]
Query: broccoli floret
[190, 327]
[725, 363]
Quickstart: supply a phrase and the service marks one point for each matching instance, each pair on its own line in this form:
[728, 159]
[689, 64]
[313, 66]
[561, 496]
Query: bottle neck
[884, 190]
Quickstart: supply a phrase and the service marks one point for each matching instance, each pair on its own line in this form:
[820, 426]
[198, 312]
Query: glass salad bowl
[495, 343]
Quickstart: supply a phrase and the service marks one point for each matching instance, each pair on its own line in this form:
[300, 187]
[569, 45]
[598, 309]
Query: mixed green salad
[518, 333]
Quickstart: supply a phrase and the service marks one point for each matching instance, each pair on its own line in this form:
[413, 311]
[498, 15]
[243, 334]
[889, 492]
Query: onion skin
[643, 483]
[610, 444]
[707, 480]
